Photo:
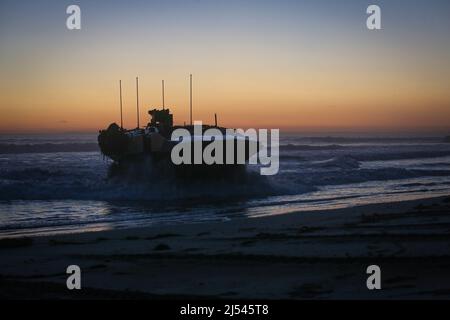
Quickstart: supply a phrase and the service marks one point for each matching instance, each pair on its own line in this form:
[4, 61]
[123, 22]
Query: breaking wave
[9, 148]
[384, 156]
[82, 175]
[294, 147]
[343, 162]
[374, 139]
[348, 176]
[47, 184]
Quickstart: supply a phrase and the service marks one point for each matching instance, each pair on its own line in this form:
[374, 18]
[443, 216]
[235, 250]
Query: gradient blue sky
[289, 64]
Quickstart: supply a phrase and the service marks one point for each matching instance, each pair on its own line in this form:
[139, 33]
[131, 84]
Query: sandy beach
[312, 255]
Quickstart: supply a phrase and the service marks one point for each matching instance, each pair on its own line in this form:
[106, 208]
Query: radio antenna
[121, 116]
[137, 100]
[190, 101]
[163, 95]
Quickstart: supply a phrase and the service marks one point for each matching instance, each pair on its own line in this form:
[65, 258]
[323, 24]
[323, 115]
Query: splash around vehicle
[158, 139]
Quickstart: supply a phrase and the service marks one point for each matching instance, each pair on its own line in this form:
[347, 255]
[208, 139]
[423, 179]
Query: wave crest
[8, 148]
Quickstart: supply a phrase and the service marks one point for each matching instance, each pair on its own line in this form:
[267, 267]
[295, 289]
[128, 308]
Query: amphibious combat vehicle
[156, 141]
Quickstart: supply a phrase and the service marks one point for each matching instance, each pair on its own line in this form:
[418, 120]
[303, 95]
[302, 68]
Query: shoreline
[97, 227]
[303, 255]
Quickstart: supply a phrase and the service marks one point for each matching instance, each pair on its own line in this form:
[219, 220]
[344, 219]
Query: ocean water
[52, 184]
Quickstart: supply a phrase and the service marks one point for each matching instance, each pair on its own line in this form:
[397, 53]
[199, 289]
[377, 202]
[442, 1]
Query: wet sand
[305, 255]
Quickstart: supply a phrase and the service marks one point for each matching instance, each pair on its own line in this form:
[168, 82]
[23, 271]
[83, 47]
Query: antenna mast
[163, 95]
[137, 100]
[190, 102]
[121, 117]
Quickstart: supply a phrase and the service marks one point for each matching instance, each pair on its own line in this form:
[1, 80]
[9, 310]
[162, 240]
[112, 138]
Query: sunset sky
[277, 64]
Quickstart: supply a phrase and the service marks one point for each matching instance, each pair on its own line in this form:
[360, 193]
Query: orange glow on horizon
[282, 72]
[89, 106]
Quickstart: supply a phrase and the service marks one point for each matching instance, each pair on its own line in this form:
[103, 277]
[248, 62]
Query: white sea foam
[63, 190]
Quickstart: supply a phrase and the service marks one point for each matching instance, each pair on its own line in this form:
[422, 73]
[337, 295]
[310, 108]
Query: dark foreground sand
[316, 255]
